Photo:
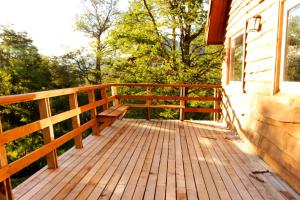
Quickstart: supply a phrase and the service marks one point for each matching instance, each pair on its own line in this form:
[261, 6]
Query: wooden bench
[110, 115]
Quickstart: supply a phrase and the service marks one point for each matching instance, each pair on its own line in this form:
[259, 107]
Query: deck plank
[228, 157]
[54, 176]
[80, 169]
[200, 184]
[180, 180]
[236, 181]
[128, 167]
[158, 159]
[72, 189]
[205, 145]
[227, 179]
[142, 171]
[209, 182]
[153, 176]
[171, 177]
[129, 179]
[109, 164]
[160, 192]
[189, 177]
[114, 171]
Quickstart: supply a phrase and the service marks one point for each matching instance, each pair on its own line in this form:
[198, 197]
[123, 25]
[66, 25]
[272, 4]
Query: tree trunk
[98, 75]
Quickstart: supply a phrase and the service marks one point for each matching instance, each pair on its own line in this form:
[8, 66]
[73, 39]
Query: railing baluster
[182, 103]
[48, 133]
[5, 186]
[73, 102]
[216, 103]
[104, 96]
[91, 95]
[148, 103]
[114, 92]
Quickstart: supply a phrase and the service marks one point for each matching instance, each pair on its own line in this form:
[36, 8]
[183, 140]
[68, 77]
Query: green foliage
[22, 70]
[163, 42]
[154, 41]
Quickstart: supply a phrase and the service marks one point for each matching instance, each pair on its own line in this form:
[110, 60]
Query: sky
[50, 23]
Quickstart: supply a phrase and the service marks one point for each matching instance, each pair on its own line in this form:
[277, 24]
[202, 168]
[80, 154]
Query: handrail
[168, 85]
[18, 98]
[46, 122]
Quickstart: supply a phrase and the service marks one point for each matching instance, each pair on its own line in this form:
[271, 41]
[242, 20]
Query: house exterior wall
[266, 118]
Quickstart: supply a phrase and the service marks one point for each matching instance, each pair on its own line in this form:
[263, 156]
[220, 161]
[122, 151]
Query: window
[236, 59]
[291, 72]
[290, 49]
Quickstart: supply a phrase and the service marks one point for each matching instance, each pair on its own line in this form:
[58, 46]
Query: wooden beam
[168, 85]
[201, 110]
[54, 93]
[47, 94]
[114, 92]
[48, 132]
[216, 104]
[73, 102]
[91, 96]
[132, 106]
[104, 96]
[175, 98]
[14, 167]
[22, 131]
[182, 103]
[148, 103]
[5, 186]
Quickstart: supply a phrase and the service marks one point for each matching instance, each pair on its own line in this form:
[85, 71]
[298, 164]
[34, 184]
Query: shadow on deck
[158, 159]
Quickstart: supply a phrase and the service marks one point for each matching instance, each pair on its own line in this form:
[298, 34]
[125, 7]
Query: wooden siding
[158, 159]
[269, 123]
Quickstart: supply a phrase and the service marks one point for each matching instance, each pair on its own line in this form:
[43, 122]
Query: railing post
[91, 95]
[48, 133]
[182, 103]
[104, 96]
[216, 103]
[5, 186]
[148, 103]
[114, 92]
[73, 102]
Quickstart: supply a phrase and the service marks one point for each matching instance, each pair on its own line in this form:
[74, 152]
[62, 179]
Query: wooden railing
[47, 120]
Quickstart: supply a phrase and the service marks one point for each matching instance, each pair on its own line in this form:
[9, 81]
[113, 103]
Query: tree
[166, 38]
[21, 61]
[97, 18]
[163, 42]
[22, 70]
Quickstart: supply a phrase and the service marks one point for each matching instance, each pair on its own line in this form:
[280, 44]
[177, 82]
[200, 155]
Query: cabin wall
[268, 121]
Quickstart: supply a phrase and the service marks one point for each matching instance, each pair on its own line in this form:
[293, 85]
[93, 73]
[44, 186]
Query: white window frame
[287, 86]
[232, 39]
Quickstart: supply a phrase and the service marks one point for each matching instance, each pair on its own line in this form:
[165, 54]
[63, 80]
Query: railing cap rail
[11, 99]
[47, 94]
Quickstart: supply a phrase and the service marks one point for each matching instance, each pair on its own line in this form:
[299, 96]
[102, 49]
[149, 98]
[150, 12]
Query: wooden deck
[159, 159]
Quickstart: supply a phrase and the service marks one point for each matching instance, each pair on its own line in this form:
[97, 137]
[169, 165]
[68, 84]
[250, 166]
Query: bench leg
[121, 117]
[107, 122]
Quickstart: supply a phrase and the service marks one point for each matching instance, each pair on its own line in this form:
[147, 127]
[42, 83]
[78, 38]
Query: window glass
[292, 56]
[236, 59]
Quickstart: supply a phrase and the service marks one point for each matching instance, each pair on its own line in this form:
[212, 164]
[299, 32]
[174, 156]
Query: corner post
[5, 186]
[73, 102]
[148, 103]
[91, 96]
[104, 96]
[216, 103]
[182, 104]
[48, 133]
[114, 92]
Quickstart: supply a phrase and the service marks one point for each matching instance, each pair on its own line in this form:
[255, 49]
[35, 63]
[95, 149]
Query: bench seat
[113, 112]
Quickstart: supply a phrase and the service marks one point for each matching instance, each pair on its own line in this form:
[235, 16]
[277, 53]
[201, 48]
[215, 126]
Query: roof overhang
[217, 21]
